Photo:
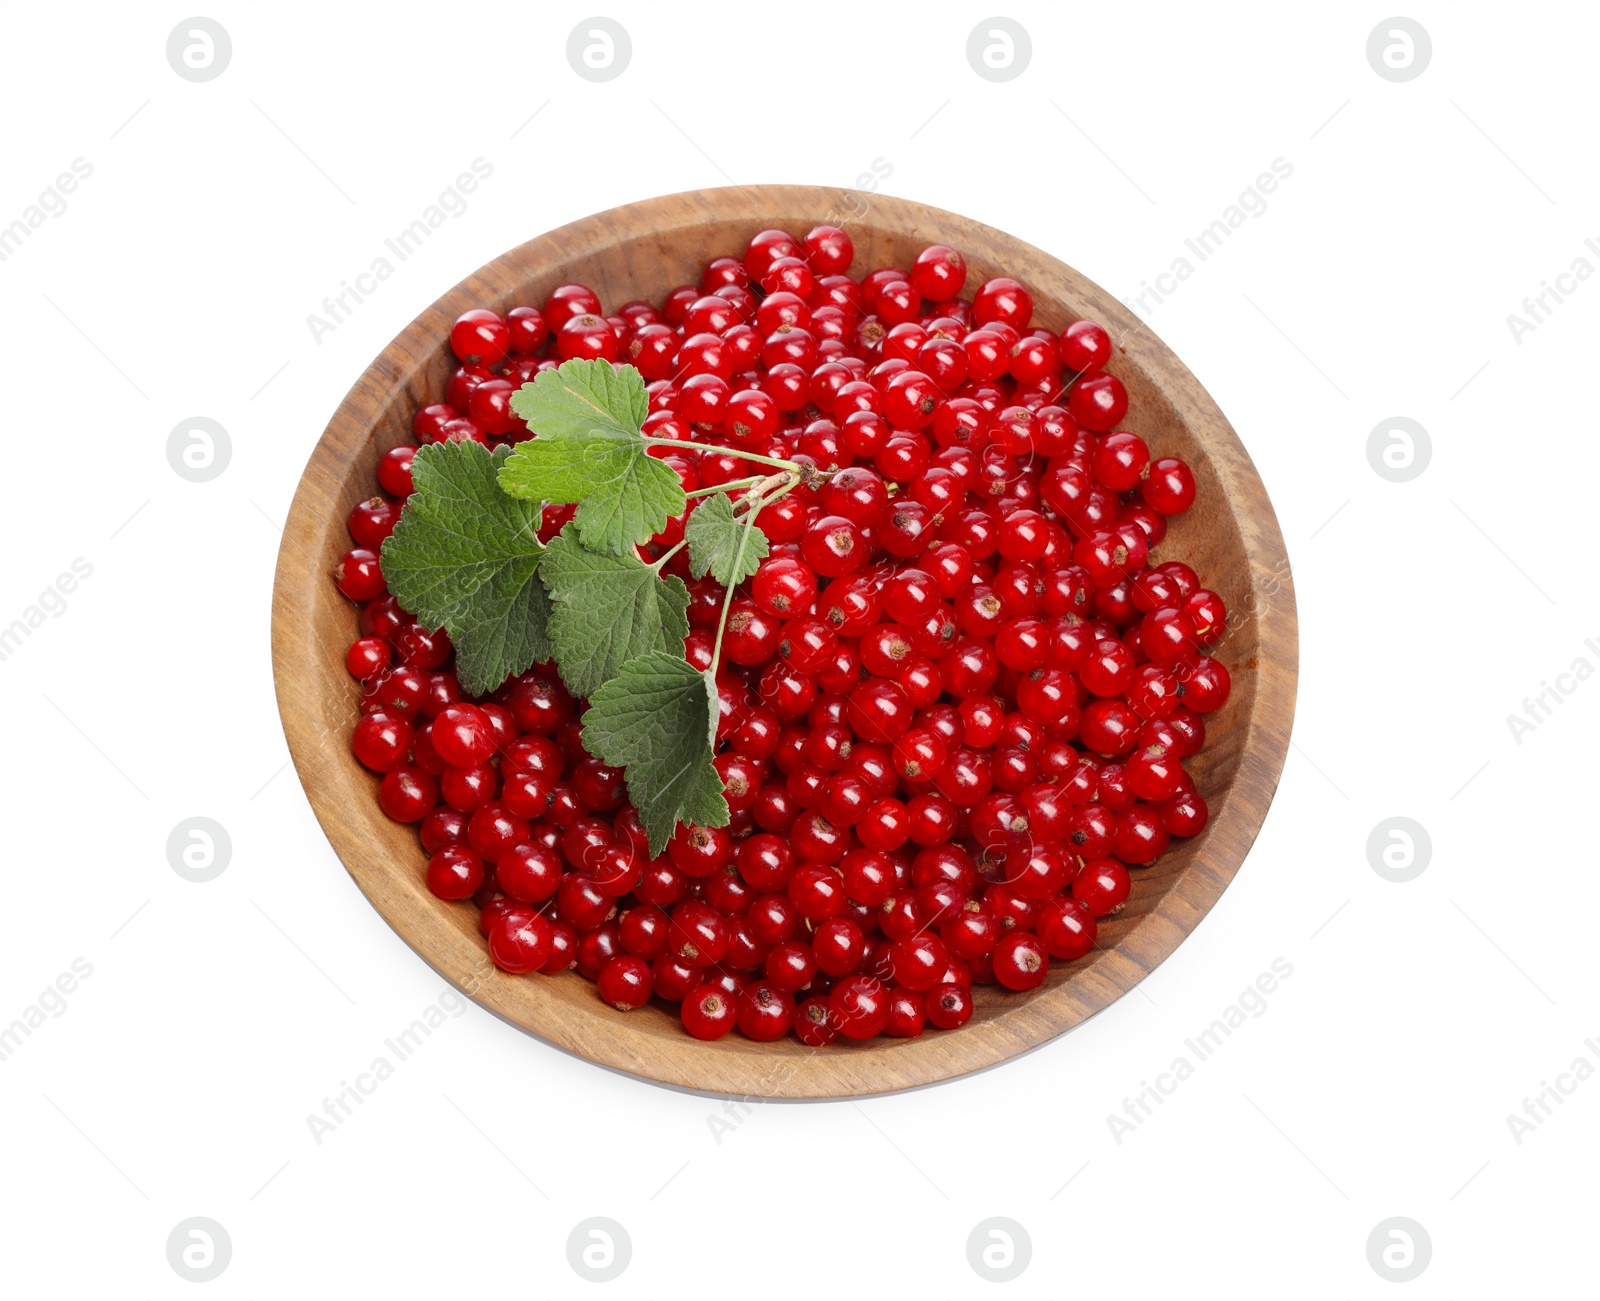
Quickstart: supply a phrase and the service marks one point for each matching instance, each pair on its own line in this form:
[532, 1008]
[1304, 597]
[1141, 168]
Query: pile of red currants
[955, 699]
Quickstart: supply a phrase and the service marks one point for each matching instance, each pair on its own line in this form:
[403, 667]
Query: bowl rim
[600, 1035]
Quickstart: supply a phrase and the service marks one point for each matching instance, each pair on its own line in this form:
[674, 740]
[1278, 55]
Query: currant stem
[765, 491]
[667, 555]
[724, 487]
[725, 451]
[757, 503]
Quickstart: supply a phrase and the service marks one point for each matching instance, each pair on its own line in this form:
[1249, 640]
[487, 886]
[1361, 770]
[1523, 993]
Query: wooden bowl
[641, 251]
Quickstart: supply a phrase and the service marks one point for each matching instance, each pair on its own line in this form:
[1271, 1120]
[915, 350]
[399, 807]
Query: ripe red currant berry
[520, 941]
[752, 635]
[367, 658]
[408, 794]
[920, 754]
[699, 851]
[1208, 614]
[1065, 927]
[1109, 669]
[880, 711]
[815, 1024]
[480, 337]
[527, 329]
[394, 470]
[462, 430]
[529, 871]
[567, 301]
[886, 827]
[1085, 346]
[869, 877]
[371, 521]
[673, 979]
[789, 275]
[709, 1012]
[972, 932]
[1035, 361]
[1000, 821]
[1038, 871]
[1167, 637]
[625, 982]
[832, 545]
[1002, 299]
[838, 946]
[490, 408]
[860, 1006]
[828, 251]
[582, 904]
[1153, 693]
[846, 799]
[1101, 886]
[1023, 536]
[598, 947]
[381, 741]
[442, 827]
[765, 248]
[494, 909]
[765, 1012]
[429, 422]
[588, 336]
[722, 271]
[1153, 773]
[661, 884]
[422, 649]
[1099, 403]
[1184, 814]
[1107, 558]
[948, 1006]
[918, 962]
[463, 736]
[697, 934]
[939, 272]
[403, 691]
[1020, 961]
[493, 830]
[1108, 727]
[1153, 589]
[587, 845]
[1120, 461]
[455, 873]
[746, 953]
[807, 644]
[907, 1015]
[1169, 486]
[945, 362]
[790, 965]
[1014, 769]
[910, 400]
[1206, 686]
[644, 932]
[816, 889]
[856, 493]
[359, 575]
[563, 948]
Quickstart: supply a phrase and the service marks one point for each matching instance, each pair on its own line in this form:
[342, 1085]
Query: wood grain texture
[641, 251]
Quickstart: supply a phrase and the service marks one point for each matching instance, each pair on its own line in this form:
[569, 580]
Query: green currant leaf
[656, 720]
[464, 557]
[727, 547]
[587, 448]
[583, 395]
[607, 610]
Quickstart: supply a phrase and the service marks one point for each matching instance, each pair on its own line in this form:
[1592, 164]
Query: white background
[1377, 283]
